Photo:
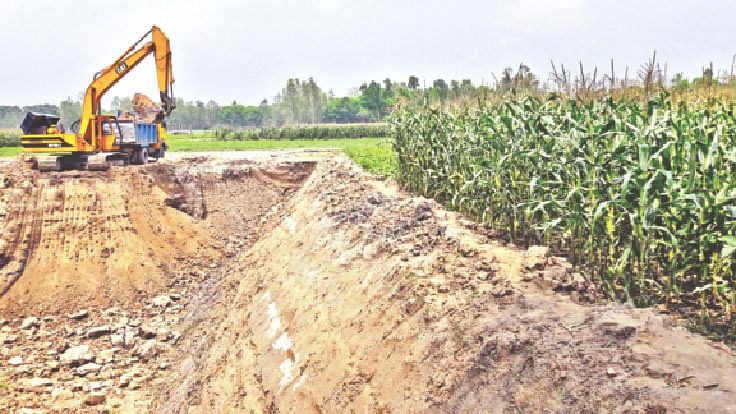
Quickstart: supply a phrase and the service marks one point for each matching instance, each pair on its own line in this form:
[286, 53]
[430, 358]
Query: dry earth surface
[297, 282]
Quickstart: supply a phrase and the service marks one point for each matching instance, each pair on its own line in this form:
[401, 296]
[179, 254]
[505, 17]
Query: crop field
[374, 154]
[293, 132]
[642, 197]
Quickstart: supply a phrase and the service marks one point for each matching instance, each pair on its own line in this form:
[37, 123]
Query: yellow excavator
[97, 141]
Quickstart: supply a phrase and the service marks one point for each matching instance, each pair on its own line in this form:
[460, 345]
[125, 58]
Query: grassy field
[9, 151]
[374, 154]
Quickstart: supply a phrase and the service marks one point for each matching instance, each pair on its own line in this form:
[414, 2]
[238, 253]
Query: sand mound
[359, 297]
[82, 237]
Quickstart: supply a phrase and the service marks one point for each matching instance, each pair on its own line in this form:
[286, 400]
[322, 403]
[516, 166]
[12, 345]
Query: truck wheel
[144, 156]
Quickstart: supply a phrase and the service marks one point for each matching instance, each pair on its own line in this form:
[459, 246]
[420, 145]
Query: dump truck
[97, 141]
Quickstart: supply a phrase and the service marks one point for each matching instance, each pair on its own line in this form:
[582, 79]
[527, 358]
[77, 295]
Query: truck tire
[144, 156]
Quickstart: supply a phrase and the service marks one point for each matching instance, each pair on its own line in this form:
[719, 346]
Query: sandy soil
[300, 283]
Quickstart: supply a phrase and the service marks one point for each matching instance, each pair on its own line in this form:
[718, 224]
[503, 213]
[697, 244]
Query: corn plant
[642, 197]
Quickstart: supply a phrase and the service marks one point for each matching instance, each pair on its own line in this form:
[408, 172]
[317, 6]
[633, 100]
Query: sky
[244, 51]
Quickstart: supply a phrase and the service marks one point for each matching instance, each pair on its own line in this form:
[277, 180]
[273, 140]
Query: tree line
[304, 102]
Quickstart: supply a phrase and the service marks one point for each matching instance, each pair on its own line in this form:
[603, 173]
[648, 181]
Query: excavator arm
[104, 80]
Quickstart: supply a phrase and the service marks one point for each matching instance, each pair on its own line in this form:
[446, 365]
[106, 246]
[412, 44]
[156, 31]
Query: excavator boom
[108, 77]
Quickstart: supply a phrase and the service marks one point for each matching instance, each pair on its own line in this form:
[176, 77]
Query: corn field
[642, 198]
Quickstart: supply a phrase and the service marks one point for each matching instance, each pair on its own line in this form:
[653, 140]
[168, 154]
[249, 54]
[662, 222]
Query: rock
[124, 380]
[7, 338]
[501, 291]
[130, 339]
[147, 350]
[117, 340]
[76, 355]
[88, 368]
[535, 258]
[62, 394]
[94, 398]
[37, 384]
[148, 331]
[108, 355]
[17, 360]
[98, 331]
[79, 315]
[30, 322]
[611, 372]
[162, 300]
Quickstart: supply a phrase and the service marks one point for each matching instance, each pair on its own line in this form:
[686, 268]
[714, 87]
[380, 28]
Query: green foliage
[343, 110]
[374, 154]
[9, 138]
[241, 115]
[641, 197]
[299, 132]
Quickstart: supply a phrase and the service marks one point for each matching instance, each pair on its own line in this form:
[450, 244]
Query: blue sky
[245, 50]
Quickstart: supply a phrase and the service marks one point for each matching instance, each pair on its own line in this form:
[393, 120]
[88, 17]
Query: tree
[371, 99]
[441, 86]
[342, 110]
[121, 104]
[301, 102]
[387, 86]
[70, 111]
[413, 82]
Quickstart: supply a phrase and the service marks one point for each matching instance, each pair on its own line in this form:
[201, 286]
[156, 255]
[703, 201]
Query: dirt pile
[77, 238]
[147, 110]
[295, 286]
[361, 298]
[75, 325]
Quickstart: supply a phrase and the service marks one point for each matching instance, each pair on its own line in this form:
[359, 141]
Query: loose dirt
[297, 282]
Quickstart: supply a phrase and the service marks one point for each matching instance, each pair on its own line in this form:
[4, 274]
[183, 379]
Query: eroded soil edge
[292, 286]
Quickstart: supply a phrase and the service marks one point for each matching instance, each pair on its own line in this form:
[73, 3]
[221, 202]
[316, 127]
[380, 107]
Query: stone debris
[79, 315]
[30, 322]
[98, 331]
[76, 355]
[162, 300]
[95, 398]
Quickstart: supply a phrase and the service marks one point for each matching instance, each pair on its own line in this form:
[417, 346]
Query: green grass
[9, 151]
[373, 154]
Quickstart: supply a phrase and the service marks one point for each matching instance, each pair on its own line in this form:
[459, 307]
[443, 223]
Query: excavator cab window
[106, 127]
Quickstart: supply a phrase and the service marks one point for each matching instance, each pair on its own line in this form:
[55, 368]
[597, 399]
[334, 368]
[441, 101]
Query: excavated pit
[299, 283]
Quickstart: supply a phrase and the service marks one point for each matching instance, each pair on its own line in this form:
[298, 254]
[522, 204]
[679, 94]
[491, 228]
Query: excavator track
[103, 162]
[98, 163]
[49, 163]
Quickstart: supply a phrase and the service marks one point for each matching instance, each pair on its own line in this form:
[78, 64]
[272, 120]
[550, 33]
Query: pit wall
[359, 297]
